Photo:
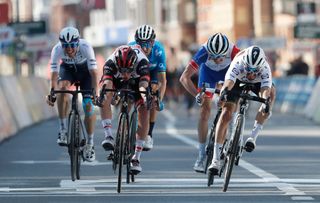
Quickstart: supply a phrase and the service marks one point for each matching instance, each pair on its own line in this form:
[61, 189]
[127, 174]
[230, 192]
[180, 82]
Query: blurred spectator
[172, 76]
[298, 66]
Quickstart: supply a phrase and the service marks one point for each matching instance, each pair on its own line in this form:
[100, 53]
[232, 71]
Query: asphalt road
[283, 168]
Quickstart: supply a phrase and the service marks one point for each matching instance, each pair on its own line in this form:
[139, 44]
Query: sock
[151, 128]
[256, 129]
[90, 139]
[217, 151]
[202, 151]
[63, 124]
[138, 150]
[106, 124]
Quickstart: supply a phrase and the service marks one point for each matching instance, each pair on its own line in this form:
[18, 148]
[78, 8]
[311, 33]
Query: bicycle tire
[232, 153]
[209, 150]
[123, 129]
[78, 143]
[131, 144]
[72, 149]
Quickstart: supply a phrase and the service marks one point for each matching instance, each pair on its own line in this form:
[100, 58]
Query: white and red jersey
[85, 54]
[237, 71]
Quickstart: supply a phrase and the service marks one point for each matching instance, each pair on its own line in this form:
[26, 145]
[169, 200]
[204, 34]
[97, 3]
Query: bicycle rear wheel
[232, 153]
[123, 132]
[131, 144]
[74, 143]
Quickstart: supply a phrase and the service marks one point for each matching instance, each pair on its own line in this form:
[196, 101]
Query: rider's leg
[222, 126]
[106, 118]
[259, 121]
[62, 103]
[205, 111]
[143, 126]
[89, 119]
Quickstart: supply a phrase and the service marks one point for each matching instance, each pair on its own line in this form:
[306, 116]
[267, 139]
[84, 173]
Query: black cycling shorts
[78, 73]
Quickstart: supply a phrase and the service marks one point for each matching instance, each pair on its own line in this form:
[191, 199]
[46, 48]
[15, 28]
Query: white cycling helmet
[145, 33]
[254, 58]
[218, 44]
[69, 34]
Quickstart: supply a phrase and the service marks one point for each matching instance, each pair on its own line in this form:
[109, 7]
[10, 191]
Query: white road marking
[287, 188]
[94, 163]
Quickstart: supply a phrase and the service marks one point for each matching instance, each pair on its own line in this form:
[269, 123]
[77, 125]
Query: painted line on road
[288, 189]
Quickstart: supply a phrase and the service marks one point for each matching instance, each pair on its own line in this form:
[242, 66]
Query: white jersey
[85, 54]
[237, 71]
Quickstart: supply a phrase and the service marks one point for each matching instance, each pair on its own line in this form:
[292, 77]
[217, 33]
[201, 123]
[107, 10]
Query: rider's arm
[143, 71]
[265, 92]
[55, 58]
[185, 79]
[162, 68]
[109, 70]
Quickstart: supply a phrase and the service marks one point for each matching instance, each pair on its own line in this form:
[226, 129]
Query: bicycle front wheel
[122, 133]
[232, 152]
[131, 144]
[74, 143]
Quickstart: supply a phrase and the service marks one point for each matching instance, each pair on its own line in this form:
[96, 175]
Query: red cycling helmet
[125, 57]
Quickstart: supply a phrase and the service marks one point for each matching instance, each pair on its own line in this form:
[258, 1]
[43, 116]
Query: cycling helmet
[218, 44]
[254, 58]
[69, 35]
[145, 33]
[125, 58]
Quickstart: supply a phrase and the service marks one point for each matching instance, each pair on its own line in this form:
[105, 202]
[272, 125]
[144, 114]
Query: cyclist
[249, 66]
[211, 61]
[124, 64]
[154, 50]
[78, 63]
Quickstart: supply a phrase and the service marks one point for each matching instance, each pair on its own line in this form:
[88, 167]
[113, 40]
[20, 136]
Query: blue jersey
[157, 60]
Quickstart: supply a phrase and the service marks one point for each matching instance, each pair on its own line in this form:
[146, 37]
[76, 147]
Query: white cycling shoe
[148, 145]
[108, 143]
[215, 166]
[62, 138]
[135, 167]
[199, 165]
[89, 153]
[250, 144]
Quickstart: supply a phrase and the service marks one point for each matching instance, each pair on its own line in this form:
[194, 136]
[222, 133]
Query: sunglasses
[213, 56]
[251, 70]
[145, 44]
[126, 70]
[71, 45]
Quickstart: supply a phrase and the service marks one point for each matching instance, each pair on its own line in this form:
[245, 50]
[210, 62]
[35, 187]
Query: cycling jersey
[141, 69]
[84, 57]
[237, 71]
[211, 73]
[157, 60]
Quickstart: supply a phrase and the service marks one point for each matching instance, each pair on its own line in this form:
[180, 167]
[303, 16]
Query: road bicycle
[76, 130]
[124, 148]
[232, 148]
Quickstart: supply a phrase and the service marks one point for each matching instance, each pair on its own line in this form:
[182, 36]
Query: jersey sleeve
[109, 70]
[161, 58]
[200, 57]
[143, 70]
[91, 59]
[266, 77]
[233, 72]
[55, 58]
